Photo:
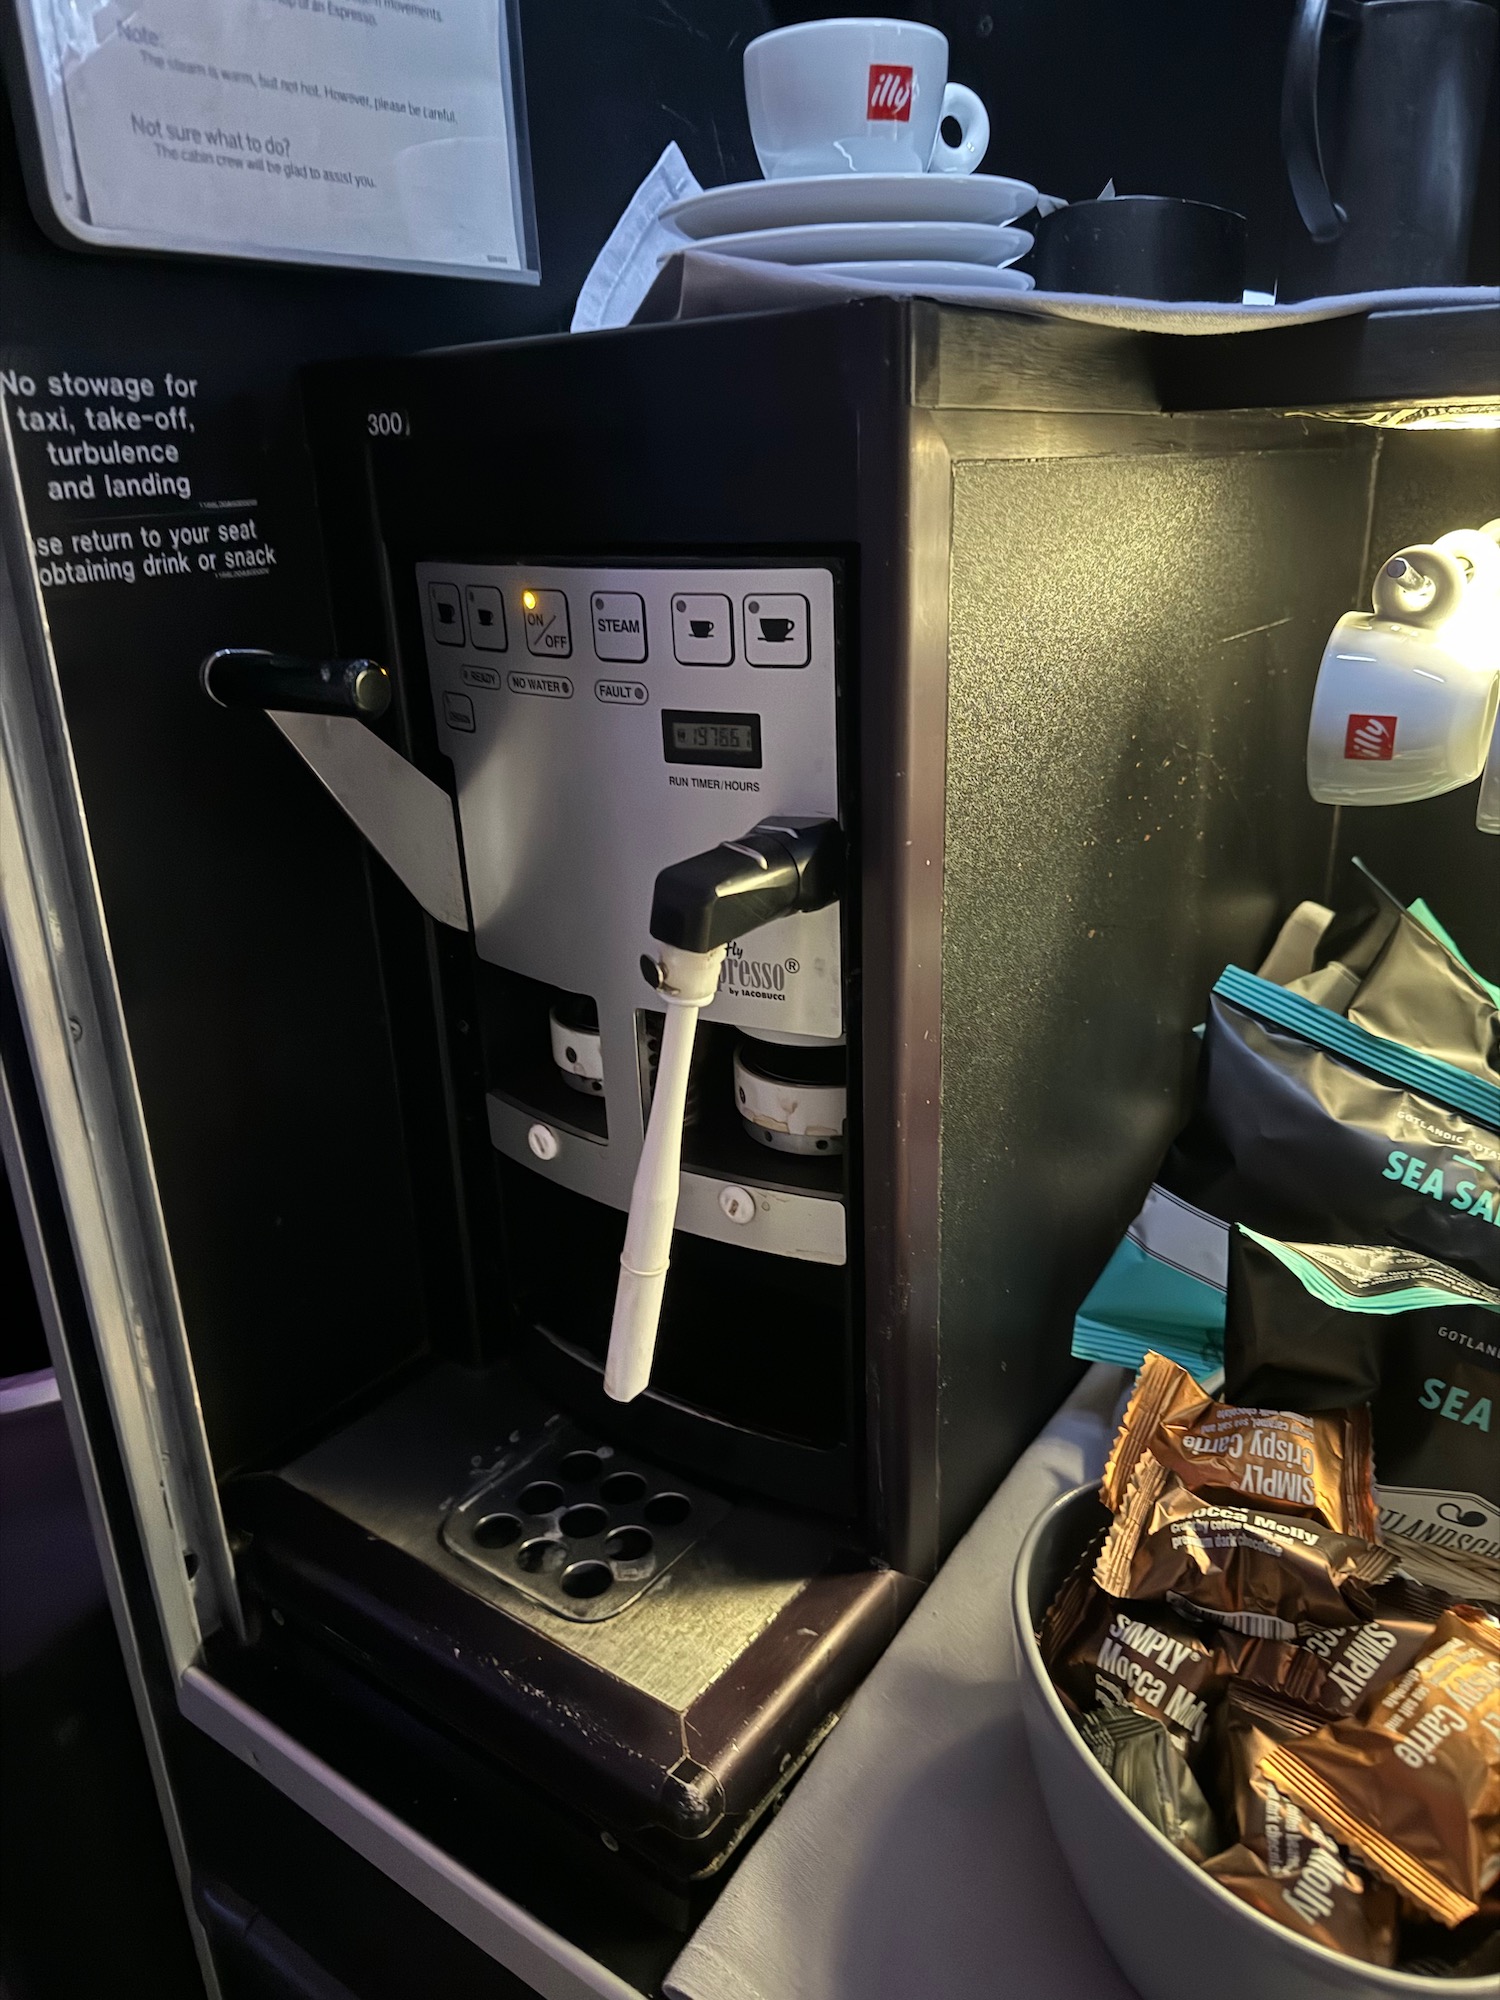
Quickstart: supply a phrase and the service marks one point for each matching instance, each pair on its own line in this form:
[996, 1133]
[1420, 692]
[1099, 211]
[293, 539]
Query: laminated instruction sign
[382, 133]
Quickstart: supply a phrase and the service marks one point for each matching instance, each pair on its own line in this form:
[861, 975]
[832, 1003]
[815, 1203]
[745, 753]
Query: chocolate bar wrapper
[1335, 1670]
[1319, 1466]
[1139, 1754]
[1102, 1653]
[1286, 1865]
[1271, 1576]
[1413, 1786]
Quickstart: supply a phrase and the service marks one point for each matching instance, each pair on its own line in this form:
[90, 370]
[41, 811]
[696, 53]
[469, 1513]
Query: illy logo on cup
[1371, 738]
[890, 92]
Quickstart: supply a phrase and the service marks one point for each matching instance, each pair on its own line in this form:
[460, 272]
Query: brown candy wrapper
[1286, 1865]
[1139, 1754]
[1105, 1654]
[1270, 1576]
[1335, 1670]
[1318, 1466]
[1413, 1786]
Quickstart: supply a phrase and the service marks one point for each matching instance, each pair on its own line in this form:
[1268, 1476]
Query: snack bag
[1302, 1107]
[1316, 1326]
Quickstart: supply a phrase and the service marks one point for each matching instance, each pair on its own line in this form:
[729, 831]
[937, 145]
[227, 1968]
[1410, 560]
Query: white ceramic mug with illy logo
[1407, 692]
[859, 97]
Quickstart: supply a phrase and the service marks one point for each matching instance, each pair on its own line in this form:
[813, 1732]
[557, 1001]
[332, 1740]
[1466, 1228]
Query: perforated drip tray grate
[580, 1527]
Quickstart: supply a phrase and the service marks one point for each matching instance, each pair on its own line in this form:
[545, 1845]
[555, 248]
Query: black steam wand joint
[246, 677]
[782, 865]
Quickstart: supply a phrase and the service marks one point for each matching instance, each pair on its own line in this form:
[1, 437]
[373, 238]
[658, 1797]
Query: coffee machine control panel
[604, 723]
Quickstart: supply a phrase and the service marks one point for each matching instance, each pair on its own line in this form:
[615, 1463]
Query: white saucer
[849, 198]
[845, 242]
[920, 272]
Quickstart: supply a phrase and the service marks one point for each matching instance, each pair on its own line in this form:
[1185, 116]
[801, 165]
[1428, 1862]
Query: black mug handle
[1301, 145]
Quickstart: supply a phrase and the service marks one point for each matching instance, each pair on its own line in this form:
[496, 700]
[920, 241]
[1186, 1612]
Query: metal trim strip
[510, 1935]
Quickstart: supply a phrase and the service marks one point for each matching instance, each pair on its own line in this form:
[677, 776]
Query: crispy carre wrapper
[1337, 1669]
[1101, 1653]
[1272, 1576]
[1286, 1865]
[1413, 1786]
[1320, 1466]
[1138, 1752]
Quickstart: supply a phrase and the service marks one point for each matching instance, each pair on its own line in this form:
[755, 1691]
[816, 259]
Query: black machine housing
[1082, 592]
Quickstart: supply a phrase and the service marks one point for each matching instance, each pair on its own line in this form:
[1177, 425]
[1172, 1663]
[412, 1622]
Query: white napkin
[625, 268]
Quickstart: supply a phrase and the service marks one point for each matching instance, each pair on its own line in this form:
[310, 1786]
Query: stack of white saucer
[905, 229]
[848, 119]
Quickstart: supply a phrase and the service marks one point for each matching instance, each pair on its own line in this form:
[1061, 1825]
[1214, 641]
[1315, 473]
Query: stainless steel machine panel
[604, 723]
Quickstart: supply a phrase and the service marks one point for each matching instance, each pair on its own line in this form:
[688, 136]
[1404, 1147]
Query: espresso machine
[809, 768]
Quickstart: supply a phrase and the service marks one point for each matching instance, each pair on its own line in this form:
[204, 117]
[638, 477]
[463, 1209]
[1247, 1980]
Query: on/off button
[544, 615]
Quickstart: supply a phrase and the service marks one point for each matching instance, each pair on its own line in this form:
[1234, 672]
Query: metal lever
[781, 866]
[321, 707]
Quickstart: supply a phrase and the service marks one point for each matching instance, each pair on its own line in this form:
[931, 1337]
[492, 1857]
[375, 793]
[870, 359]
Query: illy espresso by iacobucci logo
[890, 92]
[764, 978]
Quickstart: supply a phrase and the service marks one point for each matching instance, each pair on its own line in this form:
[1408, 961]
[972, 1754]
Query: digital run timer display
[690, 736]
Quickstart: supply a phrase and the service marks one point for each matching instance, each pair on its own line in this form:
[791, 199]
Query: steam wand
[700, 905]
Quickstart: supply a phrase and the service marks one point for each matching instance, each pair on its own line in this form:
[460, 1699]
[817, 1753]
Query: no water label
[558, 686]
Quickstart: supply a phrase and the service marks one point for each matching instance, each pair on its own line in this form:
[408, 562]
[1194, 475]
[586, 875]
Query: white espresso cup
[1407, 693]
[859, 97]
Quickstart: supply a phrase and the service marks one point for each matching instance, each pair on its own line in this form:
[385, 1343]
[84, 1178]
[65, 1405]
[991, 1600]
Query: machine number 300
[387, 424]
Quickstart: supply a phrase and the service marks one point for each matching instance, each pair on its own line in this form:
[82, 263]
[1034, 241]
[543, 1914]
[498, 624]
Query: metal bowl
[1176, 1934]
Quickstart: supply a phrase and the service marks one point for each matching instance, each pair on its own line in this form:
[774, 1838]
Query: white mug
[1407, 693]
[859, 97]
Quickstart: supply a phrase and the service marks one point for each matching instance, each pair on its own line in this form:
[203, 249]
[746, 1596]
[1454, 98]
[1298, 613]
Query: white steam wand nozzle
[689, 980]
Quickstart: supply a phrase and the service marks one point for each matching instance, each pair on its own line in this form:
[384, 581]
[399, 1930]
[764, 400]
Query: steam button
[738, 1204]
[619, 621]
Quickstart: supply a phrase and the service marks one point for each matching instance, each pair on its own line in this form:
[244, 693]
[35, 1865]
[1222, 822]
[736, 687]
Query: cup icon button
[702, 629]
[445, 614]
[776, 630]
[486, 609]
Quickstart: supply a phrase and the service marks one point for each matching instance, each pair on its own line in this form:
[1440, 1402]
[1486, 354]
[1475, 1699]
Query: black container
[1142, 246]
[1391, 102]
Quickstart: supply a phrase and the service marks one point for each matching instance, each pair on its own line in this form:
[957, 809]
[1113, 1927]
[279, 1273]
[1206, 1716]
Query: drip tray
[579, 1526]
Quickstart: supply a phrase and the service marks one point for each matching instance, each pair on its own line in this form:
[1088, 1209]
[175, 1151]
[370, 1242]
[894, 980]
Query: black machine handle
[782, 865]
[245, 677]
[1301, 142]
